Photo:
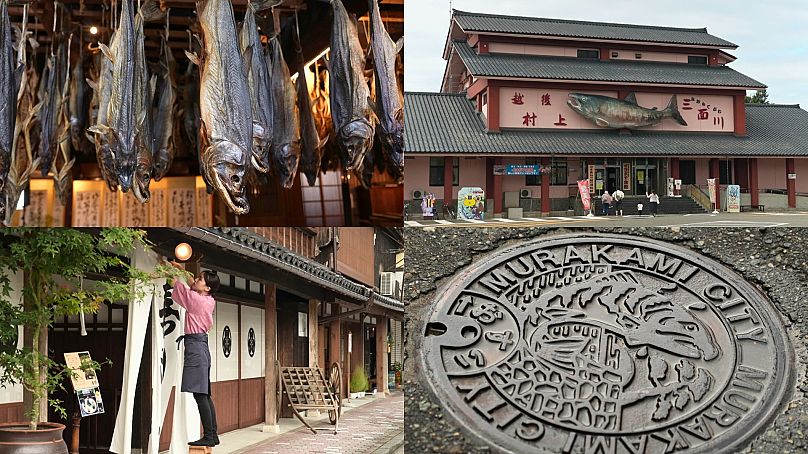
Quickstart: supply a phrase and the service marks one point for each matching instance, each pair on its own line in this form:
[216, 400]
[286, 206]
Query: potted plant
[359, 383]
[53, 263]
[397, 367]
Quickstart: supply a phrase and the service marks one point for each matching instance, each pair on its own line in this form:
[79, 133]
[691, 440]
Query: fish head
[142, 178]
[226, 168]
[582, 103]
[357, 138]
[161, 165]
[286, 159]
[676, 329]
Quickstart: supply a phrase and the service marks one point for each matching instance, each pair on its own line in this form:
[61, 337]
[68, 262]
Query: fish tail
[673, 109]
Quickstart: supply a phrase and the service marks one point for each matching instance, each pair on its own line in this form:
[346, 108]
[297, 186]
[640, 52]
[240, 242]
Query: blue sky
[772, 36]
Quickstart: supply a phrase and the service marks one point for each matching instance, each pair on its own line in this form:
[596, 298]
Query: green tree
[53, 263]
[760, 97]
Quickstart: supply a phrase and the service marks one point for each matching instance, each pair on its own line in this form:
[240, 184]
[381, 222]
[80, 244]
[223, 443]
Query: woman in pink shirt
[196, 297]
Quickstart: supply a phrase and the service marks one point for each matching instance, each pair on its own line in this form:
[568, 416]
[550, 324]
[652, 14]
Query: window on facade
[558, 173]
[588, 53]
[436, 171]
[638, 56]
[697, 59]
[615, 55]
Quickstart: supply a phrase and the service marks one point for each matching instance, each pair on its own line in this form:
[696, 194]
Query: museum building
[524, 113]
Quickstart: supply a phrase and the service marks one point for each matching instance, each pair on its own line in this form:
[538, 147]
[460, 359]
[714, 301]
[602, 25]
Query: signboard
[428, 205]
[791, 176]
[471, 203]
[523, 169]
[678, 184]
[85, 383]
[627, 176]
[711, 189]
[590, 172]
[583, 189]
[733, 198]
[499, 169]
[671, 186]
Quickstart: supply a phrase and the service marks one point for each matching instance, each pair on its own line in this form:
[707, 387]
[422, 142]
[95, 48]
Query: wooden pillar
[493, 107]
[314, 336]
[381, 357]
[715, 172]
[447, 182]
[675, 168]
[753, 181]
[791, 183]
[335, 344]
[270, 355]
[497, 193]
[545, 187]
[489, 182]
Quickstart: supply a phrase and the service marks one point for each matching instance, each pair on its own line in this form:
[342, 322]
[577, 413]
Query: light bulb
[93, 30]
[183, 251]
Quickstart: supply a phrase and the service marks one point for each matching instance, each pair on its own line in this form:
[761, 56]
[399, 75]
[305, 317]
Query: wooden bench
[753, 208]
[308, 389]
[200, 450]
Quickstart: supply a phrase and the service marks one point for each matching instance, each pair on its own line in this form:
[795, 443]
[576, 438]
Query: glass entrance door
[612, 178]
[645, 176]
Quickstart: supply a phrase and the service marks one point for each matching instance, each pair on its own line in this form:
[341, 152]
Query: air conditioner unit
[386, 284]
[417, 194]
[524, 193]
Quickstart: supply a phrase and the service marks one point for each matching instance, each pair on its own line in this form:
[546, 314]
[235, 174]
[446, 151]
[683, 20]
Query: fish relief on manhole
[606, 344]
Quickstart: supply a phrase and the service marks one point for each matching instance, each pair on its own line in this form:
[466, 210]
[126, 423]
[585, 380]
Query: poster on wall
[471, 204]
[733, 198]
[428, 205]
[626, 176]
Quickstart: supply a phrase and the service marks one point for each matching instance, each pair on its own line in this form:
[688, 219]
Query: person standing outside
[196, 296]
[606, 200]
[618, 202]
[653, 201]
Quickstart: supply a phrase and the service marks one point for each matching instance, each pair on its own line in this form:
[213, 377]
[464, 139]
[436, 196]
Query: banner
[711, 189]
[590, 172]
[135, 337]
[626, 176]
[523, 169]
[733, 198]
[583, 189]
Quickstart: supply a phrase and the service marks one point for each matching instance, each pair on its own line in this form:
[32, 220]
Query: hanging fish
[144, 95]
[286, 123]
[78, 105]
[118, 132]
[227, 123]
[10, 77]
[103, 91]
[348, 89]
[47, 114]
[258, 82]
[63, 163]
[311, 147]
[389, 105]
[164, 149]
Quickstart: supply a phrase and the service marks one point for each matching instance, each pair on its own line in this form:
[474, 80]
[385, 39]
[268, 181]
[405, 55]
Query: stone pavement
[376, 427]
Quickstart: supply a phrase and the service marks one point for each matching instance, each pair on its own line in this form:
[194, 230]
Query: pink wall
[567, 51]
[627, 54]
[702, 171]
[472, 174]
[802, 174]
[772, 173]
[716, 111]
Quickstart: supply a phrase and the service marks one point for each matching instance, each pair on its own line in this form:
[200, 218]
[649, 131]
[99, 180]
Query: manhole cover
[593, 343]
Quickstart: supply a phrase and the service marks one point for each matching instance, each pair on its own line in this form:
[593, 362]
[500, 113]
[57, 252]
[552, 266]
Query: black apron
[196, 371]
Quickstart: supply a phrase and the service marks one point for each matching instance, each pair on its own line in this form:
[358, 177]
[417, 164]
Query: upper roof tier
[582, 30]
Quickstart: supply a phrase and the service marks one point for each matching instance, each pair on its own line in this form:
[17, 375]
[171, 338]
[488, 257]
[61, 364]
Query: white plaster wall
[11, 394]
[226, 367]
[772, 173]
[252, 366]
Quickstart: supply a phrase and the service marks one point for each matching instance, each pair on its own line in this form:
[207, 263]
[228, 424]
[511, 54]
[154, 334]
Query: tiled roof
[277, 256]
[448, 124]
[495, 23]
[620, 71]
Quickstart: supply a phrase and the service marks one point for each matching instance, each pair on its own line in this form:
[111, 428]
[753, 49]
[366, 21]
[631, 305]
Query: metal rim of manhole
[606, 343]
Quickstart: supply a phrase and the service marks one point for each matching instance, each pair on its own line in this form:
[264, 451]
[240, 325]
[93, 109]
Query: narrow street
[376, 427]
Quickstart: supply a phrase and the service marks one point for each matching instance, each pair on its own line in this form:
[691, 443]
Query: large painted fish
[389, 105]
[227, 122]
[609, 112]
[286, 123]
[349, 90]
[259, 84]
